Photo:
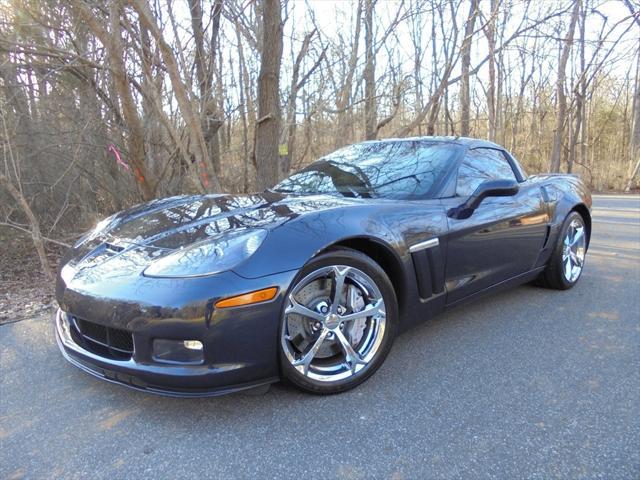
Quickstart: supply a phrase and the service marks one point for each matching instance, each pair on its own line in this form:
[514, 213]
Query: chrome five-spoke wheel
[573, 251]
[566, 262]
[335, 323]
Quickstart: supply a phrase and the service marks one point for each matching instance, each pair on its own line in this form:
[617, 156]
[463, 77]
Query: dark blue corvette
[311, 281]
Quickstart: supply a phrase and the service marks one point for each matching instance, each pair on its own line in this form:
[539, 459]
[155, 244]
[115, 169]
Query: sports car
[311, 281]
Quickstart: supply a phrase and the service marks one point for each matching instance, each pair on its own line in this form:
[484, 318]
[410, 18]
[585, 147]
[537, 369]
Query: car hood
[135, 237]
[180, 221]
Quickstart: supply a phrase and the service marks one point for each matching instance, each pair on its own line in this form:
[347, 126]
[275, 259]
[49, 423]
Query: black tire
[352, 258]
[553, 276]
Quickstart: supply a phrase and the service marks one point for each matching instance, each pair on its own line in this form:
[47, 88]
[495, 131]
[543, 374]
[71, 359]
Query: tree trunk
[267, 133]
[634, 143]
[246, 109]
[490, 32]
[580, 92]
[465, 90]
[583, 92]
[210, 115]
[343, 95]
[556, 152]
[370, 111]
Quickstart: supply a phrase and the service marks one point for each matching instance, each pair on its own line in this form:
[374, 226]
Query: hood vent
[113, 248]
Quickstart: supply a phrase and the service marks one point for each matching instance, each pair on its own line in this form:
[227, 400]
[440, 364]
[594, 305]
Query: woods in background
[106, 104]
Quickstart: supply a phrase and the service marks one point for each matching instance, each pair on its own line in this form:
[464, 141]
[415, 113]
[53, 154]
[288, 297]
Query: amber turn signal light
[258, 296]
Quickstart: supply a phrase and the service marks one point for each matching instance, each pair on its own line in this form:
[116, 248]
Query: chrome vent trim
[433, 242]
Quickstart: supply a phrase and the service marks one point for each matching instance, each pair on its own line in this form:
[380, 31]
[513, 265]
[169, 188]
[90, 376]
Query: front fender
[394, 225]
[291, 245]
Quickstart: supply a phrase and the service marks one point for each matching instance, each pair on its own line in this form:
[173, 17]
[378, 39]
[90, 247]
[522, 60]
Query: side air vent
[429, 267]
[547, 234]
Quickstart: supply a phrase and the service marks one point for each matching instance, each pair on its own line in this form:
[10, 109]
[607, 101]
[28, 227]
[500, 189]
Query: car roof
[465, 141]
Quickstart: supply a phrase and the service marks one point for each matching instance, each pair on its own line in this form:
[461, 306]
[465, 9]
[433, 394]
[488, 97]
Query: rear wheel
[567, 261]
[339, 322]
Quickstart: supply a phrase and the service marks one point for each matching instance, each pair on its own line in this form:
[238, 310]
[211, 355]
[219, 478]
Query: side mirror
[490, 188]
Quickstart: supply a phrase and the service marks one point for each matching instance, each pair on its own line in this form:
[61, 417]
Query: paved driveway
[529, 383]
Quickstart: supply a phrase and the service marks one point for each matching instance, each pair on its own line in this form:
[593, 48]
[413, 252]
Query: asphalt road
[531, 383]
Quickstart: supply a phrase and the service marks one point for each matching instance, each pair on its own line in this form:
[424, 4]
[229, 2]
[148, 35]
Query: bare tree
[298, 81]
[490, 33]
[344, 86]
[34, 225]
[109, 103]
[370, 111]
[211, 116]
[556, 152]
[580, 92]
[465, 89]
[13, 184]
[634, 143]
[207, 178]
[113, 43]
[268, 125]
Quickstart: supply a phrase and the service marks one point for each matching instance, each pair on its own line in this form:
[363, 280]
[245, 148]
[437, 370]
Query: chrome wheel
[333, 324]
[573, 250]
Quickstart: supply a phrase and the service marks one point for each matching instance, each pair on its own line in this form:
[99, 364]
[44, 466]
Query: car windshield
[397, 170]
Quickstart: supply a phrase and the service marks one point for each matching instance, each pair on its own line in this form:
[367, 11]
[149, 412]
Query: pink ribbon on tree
[112, 148]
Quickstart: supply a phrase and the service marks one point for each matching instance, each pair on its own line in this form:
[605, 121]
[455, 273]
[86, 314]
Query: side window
[480, 165]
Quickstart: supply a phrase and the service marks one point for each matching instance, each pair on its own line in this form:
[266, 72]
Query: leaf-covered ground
[24, 292]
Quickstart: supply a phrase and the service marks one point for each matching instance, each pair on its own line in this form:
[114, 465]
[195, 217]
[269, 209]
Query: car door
[503, 236]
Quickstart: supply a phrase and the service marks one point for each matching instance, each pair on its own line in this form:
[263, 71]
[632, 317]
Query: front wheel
[338, 324]
[567, 260]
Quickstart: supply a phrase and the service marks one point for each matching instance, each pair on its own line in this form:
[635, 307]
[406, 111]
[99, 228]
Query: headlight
[208, 257]
[97, 230]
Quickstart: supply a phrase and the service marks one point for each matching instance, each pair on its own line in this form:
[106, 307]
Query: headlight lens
[97, 230]
[208, 257]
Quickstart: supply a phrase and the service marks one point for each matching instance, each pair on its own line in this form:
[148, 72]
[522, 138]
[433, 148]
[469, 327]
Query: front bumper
[240, 344]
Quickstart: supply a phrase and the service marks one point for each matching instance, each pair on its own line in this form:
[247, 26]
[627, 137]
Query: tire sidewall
[358, 260]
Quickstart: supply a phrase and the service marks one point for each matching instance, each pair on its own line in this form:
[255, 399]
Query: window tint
[480, 165]
[397, 170]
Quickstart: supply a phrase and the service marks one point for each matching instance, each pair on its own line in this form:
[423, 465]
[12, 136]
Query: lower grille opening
[104, 341]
